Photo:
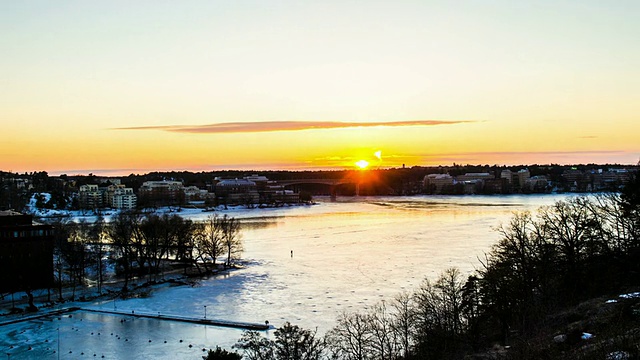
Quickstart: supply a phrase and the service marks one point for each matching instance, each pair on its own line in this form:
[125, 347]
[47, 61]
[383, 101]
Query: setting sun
[362, 164]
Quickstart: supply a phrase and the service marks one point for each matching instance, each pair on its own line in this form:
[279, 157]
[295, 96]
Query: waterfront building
[472, 186]
[26, 253]
[495, 186]
[507, 175]
[285, 196]
[613, 178]
[436, 182]
[261, 181]
[572, 175]
[538, 183]
[237, 191]
[475, 176]
[194, 193]
[163, 192]
[523, 177]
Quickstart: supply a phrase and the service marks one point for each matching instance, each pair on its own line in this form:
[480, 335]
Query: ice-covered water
[347, 255]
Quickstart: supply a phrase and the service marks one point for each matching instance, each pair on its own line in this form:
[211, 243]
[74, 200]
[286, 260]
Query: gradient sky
[119, 87]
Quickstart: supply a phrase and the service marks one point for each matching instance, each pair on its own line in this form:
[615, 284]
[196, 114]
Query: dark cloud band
[269, 126]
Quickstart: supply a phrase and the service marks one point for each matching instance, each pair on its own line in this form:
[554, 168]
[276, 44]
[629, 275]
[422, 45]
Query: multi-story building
[573, 175]
[164, 192]
[523, 177]
[124, 198]
[475, 176]
[538, 183]
[495, 186]
[109, 192]
[90, 197]
[436, 182]
[26, 253]
[261, 181]
[164, 186]
[507, 175]
[472, 186]
[194, 193]
[285, 196]
[237, 191]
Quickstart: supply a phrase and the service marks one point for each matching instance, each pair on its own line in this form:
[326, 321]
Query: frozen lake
[347, 255]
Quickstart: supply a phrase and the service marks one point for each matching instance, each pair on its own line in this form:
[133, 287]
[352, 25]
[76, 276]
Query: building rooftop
[14, 218]
[10, 213]
[235, 182]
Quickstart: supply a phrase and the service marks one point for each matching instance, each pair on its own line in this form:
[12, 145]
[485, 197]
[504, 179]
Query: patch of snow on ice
[631, 295]
[586, 336]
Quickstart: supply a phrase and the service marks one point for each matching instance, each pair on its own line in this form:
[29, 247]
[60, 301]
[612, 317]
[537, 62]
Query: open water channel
[303, 264]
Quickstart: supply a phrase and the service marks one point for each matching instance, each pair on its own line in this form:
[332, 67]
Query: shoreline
[19, 308]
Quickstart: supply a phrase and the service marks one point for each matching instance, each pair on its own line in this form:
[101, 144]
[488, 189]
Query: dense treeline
[140, 244]
[545, 262]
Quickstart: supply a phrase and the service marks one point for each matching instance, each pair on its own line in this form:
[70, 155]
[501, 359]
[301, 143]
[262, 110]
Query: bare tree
[75, 254]
[255, 346]
[122, 230]
[62, 230]
[183, 233]
[291, 343]
[403, 322]
[572, 229]
[96, 235]
[295, 343]
[210, 241]
[383, 341]
[350, 339]
[231, 238]
[439, 316]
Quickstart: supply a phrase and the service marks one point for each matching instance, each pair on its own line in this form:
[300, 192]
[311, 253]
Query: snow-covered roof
[236, 182]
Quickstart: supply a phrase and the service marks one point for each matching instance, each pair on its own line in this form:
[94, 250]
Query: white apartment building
[195, 193]
[109, 193]
[124, 198]
[90, 197]
[161, 186]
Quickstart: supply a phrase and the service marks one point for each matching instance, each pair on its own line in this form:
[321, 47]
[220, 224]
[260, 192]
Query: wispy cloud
[530, 157]
[516, 153]
[269, 126]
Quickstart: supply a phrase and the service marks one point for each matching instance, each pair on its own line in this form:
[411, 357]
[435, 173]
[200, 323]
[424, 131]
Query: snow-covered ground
[187, 211]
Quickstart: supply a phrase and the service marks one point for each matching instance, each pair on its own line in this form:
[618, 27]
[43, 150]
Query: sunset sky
[119, 87]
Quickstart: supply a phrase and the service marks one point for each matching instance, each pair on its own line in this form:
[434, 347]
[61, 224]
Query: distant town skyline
[116, 88]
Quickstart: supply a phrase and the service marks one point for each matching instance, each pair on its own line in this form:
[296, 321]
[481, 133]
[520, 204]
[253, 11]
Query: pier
[211, 322]
[38, 315]
[199, 321]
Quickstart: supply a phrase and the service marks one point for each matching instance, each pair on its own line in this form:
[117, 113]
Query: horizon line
[142, 172]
